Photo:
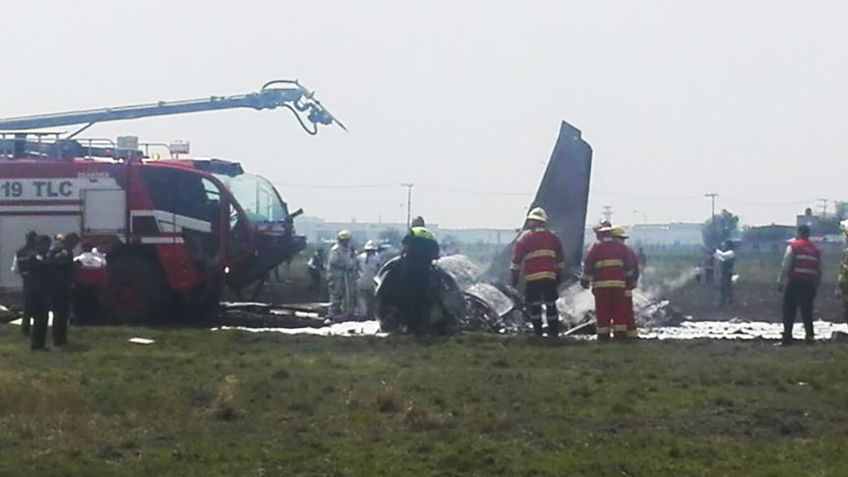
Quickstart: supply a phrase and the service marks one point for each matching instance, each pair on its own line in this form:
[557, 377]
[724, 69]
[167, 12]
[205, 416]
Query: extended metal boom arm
[293, 97]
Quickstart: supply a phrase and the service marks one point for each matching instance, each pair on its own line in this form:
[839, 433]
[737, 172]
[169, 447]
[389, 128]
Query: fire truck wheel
[137, 291]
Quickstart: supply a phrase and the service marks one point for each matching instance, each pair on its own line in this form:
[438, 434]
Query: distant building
[674, 234]
[319, 230]
[819, 226]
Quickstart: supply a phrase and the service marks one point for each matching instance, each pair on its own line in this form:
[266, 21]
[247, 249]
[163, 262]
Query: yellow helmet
[538, 214]
[619, 232]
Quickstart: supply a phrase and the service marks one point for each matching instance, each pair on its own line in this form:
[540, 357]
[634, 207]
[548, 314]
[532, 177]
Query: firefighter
[316, 267]
[369, 263]
[727, 260]
[89, 279]
[605, 269]
[627, 329]
[799, 280]
[537, 254]
[22, 257]
[842, 281]
[419, 249]
[38, 294]
[60, 262]
[341, 276]
[709, 268]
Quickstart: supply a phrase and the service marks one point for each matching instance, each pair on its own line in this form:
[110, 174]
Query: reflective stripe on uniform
[806, 271]
[603, 330]
[632, 333]
[811, 258]
[608, 284]
[618, 328]
[613, 262]
[628, 293]
[543, 253]
[540, 276]
[514, 266]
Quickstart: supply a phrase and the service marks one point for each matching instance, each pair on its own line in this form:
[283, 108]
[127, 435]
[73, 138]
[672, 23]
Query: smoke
[462, 269]
[575, 304]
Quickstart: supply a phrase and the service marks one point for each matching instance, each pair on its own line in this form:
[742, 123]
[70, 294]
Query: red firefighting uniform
[538, 253]
[607, 266]
[628, 327]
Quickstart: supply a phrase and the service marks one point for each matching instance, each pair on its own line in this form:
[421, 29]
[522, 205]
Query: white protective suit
[369, 264]
[341, 279]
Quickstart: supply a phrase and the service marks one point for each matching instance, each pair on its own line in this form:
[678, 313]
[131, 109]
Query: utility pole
[644, 217]
[608, 213]
[712, 196]
[824, 206]
[409, 187]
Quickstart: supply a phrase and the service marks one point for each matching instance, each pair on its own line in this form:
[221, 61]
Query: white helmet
[538, 214]
[370, 246]
[344, 235]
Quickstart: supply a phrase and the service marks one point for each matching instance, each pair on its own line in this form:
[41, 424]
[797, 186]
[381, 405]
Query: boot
[537, 327]
[786, 340]
[810, 339]
[553, 328]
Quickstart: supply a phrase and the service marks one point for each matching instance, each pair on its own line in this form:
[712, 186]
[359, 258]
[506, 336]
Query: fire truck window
[237, 243]
[209, 210]
[179, 192]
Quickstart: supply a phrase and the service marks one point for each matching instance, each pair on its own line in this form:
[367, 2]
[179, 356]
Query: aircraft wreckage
[480, 299]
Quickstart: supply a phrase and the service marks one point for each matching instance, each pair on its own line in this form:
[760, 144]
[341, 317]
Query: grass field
[229, 403]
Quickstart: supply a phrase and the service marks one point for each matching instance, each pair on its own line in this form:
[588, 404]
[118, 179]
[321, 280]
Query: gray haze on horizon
[677, 98]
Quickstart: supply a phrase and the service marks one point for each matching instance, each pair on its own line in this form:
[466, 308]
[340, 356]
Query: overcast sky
[677, 98]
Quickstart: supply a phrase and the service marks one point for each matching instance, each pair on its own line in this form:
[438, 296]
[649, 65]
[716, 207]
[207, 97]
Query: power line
[340, 186]
[646, 197]
[472, 191]
[766, 204]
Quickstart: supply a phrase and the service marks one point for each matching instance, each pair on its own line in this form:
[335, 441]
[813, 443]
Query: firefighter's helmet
[344, 235]
[538, 214]
[619, 232]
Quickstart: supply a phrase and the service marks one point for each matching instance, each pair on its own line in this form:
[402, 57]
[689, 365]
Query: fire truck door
[104, 211]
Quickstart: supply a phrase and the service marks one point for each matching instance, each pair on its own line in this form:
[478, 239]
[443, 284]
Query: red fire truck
[175, 231]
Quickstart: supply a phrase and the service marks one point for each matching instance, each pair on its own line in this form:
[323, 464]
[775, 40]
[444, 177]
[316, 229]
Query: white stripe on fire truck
[162, 240]
[168, 221]
[43, 209]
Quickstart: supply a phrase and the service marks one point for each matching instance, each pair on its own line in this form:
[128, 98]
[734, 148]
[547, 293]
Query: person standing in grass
[606, 269]
[727, 260]
[627, 327]
[799, 279]
[22, 257]
[842, 281]
[38, 267]
[341, 277]
[537, 254]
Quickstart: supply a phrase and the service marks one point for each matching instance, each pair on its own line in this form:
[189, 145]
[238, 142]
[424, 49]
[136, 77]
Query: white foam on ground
[348, 328]
[19, 321]
[740, 330]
